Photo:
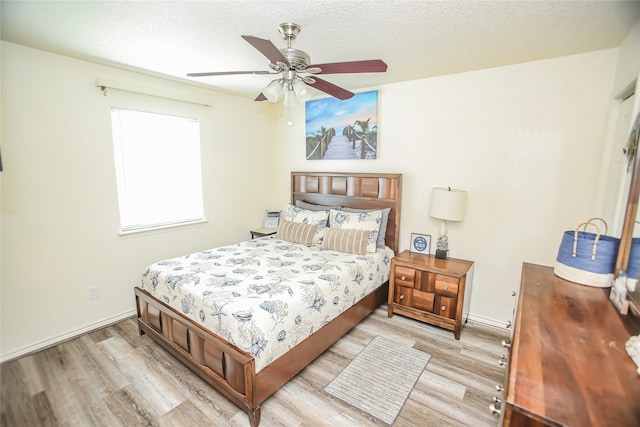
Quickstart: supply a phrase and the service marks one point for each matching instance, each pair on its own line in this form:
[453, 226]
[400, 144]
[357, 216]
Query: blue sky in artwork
[334, 113]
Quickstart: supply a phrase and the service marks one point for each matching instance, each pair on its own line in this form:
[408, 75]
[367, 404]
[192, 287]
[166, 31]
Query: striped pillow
[296, 232]
[351, 241]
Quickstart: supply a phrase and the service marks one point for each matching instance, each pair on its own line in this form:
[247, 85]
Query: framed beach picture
[420, 243]
[346, 129]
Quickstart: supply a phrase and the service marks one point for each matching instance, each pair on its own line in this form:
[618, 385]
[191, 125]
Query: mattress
[266, 295]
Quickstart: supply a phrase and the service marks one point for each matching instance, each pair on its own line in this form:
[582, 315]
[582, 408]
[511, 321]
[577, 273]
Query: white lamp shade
[290, 98]
[448, 204]
[272, 91]
[302, 90]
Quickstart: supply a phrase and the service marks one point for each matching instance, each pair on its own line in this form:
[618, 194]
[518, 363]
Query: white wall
[525, 141]
[60, 219]
[628, 67]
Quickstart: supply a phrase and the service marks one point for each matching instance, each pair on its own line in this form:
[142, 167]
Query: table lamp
[447, 204]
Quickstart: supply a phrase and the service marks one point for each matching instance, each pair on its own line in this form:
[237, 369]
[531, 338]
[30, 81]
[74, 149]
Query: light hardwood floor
[115, 377]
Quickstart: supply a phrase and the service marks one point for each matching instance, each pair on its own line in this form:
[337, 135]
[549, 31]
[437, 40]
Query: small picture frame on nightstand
[420, 243]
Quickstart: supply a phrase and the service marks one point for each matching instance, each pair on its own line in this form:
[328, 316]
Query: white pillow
[305, 216]
[369, 221]
[382, 232]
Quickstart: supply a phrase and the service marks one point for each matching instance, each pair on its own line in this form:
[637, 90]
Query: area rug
[379, 380]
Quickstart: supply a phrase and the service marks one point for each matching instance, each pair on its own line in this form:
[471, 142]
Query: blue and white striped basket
[587, 258]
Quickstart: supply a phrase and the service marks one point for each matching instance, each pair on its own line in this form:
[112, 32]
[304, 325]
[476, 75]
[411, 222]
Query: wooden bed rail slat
[213, 357]
[180, 335]
[197, 348]
[234, 373]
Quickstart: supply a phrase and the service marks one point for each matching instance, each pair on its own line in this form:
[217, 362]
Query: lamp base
[441, 254]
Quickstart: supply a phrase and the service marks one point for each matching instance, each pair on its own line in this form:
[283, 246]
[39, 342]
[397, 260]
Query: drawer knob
[509, 324]
[494, 410]
[496, 399]
[403, 278]
[443, 308]
[499, 387]
[401, 297]
[502, 362]
[506, 343]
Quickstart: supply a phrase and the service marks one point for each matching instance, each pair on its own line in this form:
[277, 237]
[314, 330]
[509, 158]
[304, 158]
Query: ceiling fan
[296, 70]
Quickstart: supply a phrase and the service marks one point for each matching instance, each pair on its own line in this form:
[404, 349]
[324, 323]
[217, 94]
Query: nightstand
[430, 290]
[261, 232]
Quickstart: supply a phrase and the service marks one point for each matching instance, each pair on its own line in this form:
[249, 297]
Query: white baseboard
[474, 318]
[66, 336]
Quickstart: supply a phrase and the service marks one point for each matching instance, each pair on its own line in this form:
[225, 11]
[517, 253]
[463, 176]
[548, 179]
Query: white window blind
[158, 169]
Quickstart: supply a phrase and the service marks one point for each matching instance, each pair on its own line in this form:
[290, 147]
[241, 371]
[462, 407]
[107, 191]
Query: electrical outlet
[94, 293]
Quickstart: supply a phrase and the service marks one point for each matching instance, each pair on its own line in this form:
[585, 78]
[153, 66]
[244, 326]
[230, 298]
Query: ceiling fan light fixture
[293, 64]
[290, 98]
[272, 91]
[302, 90]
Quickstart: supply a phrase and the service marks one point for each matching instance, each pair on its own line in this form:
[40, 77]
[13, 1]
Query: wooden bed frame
[230, 370]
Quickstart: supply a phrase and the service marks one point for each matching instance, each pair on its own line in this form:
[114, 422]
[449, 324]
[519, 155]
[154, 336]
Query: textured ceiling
[417, 39]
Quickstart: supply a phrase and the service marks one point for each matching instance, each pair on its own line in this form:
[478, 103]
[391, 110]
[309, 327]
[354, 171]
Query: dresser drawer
[404, 276]
[446, 286]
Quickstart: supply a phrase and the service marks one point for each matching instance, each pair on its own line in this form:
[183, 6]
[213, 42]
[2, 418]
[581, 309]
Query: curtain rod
[105, 84]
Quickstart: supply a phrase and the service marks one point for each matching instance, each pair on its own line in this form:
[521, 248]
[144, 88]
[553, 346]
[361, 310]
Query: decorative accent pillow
[296, 232]
[382, 232]
[369, 221]
[351, 241]
[305, 216]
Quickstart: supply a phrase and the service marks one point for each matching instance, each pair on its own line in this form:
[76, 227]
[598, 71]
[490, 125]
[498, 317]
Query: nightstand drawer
[446, 286]
[423, 300]
[445, 307]
[404, 276]
[403, 295]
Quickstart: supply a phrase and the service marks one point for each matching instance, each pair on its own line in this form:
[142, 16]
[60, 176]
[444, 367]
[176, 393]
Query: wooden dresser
[431, 290]
[568, 364]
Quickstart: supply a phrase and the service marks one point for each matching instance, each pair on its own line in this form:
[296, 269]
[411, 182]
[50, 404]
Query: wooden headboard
[354, 190]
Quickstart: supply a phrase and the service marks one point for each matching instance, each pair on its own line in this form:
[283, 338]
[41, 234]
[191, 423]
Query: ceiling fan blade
[268, 49]
[227, 73]
[369, 66]
[331, 89]
[260, 97]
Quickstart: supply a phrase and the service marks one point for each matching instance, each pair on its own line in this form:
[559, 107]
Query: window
[158, 169]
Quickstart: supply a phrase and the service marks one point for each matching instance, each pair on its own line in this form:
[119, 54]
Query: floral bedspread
[266, 295]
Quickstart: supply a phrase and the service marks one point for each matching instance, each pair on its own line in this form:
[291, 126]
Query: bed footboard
[228, 369]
